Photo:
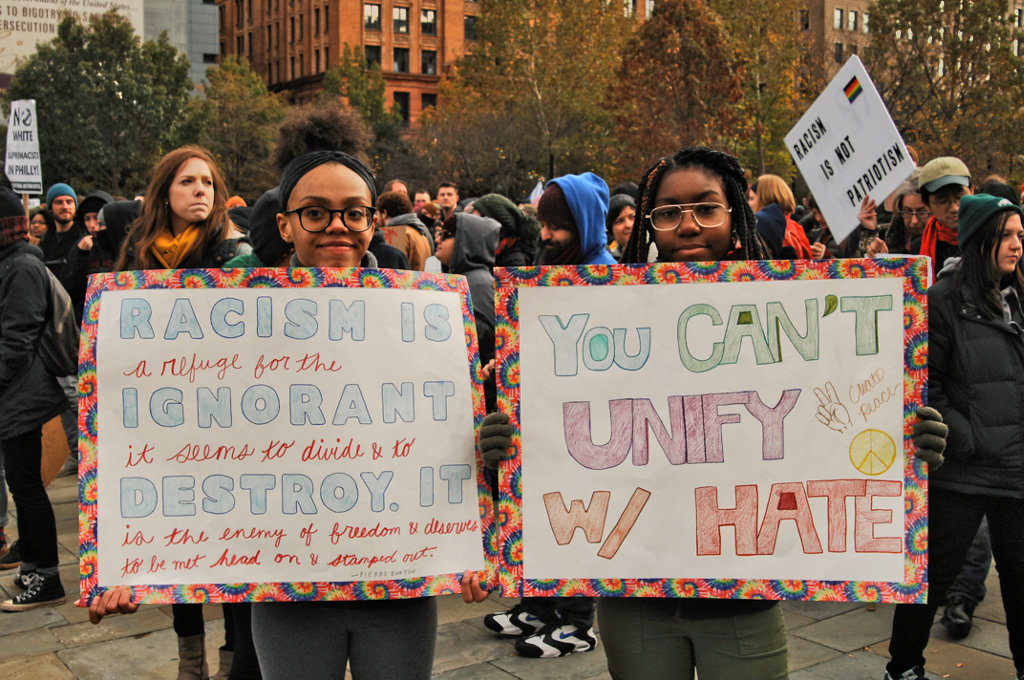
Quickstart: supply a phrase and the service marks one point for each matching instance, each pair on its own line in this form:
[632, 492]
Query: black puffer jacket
[976, 380]
[30, 395]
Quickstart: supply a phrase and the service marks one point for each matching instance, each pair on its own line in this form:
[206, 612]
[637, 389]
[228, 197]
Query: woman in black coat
[976, 381]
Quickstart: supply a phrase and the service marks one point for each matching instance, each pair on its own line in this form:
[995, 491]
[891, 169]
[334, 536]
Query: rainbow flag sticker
[853, 89]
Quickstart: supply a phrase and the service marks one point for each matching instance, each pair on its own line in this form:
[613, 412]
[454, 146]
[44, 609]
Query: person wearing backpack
[31, 397]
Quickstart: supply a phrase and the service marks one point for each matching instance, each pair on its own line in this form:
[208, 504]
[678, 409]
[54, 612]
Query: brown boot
[192, 658]
[224, 668]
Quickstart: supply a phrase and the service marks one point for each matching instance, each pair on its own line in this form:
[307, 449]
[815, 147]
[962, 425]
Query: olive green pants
[648, 639]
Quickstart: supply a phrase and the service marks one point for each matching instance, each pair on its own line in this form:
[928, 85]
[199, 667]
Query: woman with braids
[693, 207]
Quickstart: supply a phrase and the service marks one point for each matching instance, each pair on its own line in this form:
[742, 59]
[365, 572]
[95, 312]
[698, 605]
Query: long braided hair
[744, 224]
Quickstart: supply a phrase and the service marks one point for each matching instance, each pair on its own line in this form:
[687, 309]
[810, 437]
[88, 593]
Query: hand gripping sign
[716, 430]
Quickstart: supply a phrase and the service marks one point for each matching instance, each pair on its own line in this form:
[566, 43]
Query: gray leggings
[381, 640]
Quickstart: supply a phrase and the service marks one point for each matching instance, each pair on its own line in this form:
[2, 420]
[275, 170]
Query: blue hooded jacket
[587, 196]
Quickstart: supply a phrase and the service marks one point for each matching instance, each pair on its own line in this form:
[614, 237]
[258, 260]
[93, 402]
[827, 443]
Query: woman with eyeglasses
[328, 199]
[910, 214]
[693, 207]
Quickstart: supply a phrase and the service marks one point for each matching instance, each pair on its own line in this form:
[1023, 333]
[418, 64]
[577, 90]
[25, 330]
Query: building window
[469, 27]
[428, 62]
[837, 20]
[327, 18]
[372, 53]
[302, 23]
[302, 65]
[854, 49]
[648, 8]
[291, 67]
[428, 99]
[805, 20]
[240, 45]
[316, 56]
[238, 13]
[291, 32]
[401, 60]
[316, 21]
[277, 34]
[248, 10]
[851, 20]
[327, 58]
[402, 102]
[864, 23]
[270, 35]
[400, 19]
[248, 51]
[839, 53]
[371, 17]
[428, 22]
[209, 58]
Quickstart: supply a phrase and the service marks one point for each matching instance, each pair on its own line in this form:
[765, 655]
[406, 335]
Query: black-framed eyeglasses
[922, 214]
[707, 215]
[316, 218]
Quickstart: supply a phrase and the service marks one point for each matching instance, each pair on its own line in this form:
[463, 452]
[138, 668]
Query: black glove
[495, 438]
[930, 436]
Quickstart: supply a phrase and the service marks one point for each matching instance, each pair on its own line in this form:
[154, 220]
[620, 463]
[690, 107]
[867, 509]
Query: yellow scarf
[171, 249]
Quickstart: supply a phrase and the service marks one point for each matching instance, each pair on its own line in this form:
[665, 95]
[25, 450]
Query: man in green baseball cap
[943, 182]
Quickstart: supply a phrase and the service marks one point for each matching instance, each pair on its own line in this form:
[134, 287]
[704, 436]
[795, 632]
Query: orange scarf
[933, 233]
[171, 250]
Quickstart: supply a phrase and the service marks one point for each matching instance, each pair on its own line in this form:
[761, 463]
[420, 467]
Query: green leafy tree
[951, 79]
[680, 84]
[773, 79]
[531, 93]
[108, 104]
[237, 118]
[362, 86]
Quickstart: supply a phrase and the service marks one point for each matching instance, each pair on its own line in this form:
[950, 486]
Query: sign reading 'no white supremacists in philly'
[284, 434]
[725, 430]
[848, 148]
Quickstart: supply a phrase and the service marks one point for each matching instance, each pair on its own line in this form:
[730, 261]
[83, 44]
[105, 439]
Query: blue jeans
[970, 584]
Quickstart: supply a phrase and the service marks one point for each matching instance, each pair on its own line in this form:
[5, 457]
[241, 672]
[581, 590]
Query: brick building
[291, 43]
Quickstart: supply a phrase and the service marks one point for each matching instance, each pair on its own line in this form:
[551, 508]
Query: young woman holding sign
[976, 380]
[693, 207]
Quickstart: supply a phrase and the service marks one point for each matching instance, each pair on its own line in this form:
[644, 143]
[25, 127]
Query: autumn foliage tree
[951, 78]
[237, 119]
[529, 98]
[679, 83]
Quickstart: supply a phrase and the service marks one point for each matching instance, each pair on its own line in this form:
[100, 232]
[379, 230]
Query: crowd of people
[695, 205]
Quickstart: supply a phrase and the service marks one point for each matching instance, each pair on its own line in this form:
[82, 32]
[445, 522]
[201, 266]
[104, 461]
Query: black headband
[299, 166]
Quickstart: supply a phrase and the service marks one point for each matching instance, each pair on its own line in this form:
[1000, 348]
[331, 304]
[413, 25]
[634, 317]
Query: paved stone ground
[826, 641]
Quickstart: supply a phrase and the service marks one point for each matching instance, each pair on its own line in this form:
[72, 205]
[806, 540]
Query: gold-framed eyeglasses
[706, 215]
[316, 218]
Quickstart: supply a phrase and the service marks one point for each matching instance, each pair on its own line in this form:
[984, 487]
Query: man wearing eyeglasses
[943, 182]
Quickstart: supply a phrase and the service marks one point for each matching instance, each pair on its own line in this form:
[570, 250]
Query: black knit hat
[263, 232]
[13, 220]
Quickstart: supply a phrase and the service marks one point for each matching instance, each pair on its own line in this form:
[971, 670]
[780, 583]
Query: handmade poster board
[280, 434]
[715, 430]
[847, 147]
